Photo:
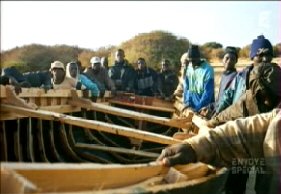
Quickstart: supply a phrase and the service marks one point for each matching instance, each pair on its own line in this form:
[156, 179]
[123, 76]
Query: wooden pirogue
[52, 130]
[105, 179]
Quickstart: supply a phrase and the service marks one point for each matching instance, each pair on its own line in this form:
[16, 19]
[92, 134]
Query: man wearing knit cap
[198, 82]
[261, 51]
[229, 60]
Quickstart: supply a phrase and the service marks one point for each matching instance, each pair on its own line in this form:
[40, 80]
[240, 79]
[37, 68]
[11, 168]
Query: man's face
[164, 66]
[141, 64]
[73, 70]
[184, 63]
[119, 56]
[195, 61]
[96, 66]
[104, 62]
[58, 75]
[263, 55]
[229, 60]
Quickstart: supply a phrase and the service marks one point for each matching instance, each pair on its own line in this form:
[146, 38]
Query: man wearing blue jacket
[198, 82]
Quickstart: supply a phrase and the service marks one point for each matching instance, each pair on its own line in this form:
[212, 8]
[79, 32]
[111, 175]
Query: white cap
[57, 64]
[95, 60]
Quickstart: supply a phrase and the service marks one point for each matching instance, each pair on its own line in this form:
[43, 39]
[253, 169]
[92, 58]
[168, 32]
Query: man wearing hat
[99, 75]
[261, 51]
[198, 82]
[59, 79]
[229, 60]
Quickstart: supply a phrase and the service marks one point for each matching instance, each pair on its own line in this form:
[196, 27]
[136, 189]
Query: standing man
[145, 80]
[121, 73]
[198, 82]
[184, 63]
[99, 75]
[104, 62]
[229, 60]
[167, 80]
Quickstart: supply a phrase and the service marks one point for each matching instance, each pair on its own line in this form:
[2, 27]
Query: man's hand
[204, 111]
[177, 154]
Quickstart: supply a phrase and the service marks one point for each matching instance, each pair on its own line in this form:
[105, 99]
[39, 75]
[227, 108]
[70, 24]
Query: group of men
[98, 77]
[245, 112]
[246, 116]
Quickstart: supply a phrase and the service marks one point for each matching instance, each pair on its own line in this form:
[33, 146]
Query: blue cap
[260, 43]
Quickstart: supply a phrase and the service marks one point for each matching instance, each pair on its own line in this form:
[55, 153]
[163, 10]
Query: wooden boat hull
[94, 178]
[87, 132]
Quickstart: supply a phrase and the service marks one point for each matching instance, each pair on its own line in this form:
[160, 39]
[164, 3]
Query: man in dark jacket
[145, 83]
[15, 75]
[39, 79]
[121, 73]
[167, 80]
[264, 95]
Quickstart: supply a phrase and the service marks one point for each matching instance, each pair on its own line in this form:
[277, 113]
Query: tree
[212, 45]
[153, 47]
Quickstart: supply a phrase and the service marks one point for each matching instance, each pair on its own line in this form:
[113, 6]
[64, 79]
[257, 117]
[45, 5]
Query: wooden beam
[116, 150]
[77, 177]
[164, 109]
[87, 104]
[39, 92]
[96, 177]
[93, 125]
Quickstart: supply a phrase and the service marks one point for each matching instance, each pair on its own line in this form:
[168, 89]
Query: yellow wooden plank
[178, 123]
[93, 125]
[76, 177]
[164, 109]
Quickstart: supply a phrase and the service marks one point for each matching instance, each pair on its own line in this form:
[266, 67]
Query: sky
[94, 24]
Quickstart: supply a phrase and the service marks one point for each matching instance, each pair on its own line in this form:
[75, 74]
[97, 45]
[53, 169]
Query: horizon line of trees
[153, 47]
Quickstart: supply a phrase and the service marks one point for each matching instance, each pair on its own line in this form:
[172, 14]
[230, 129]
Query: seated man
[121, 73]
[145, 83]
[167, 80]
[198, 82]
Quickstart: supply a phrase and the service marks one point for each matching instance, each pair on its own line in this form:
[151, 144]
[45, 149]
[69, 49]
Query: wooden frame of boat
[38, 124]
[104, 179]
